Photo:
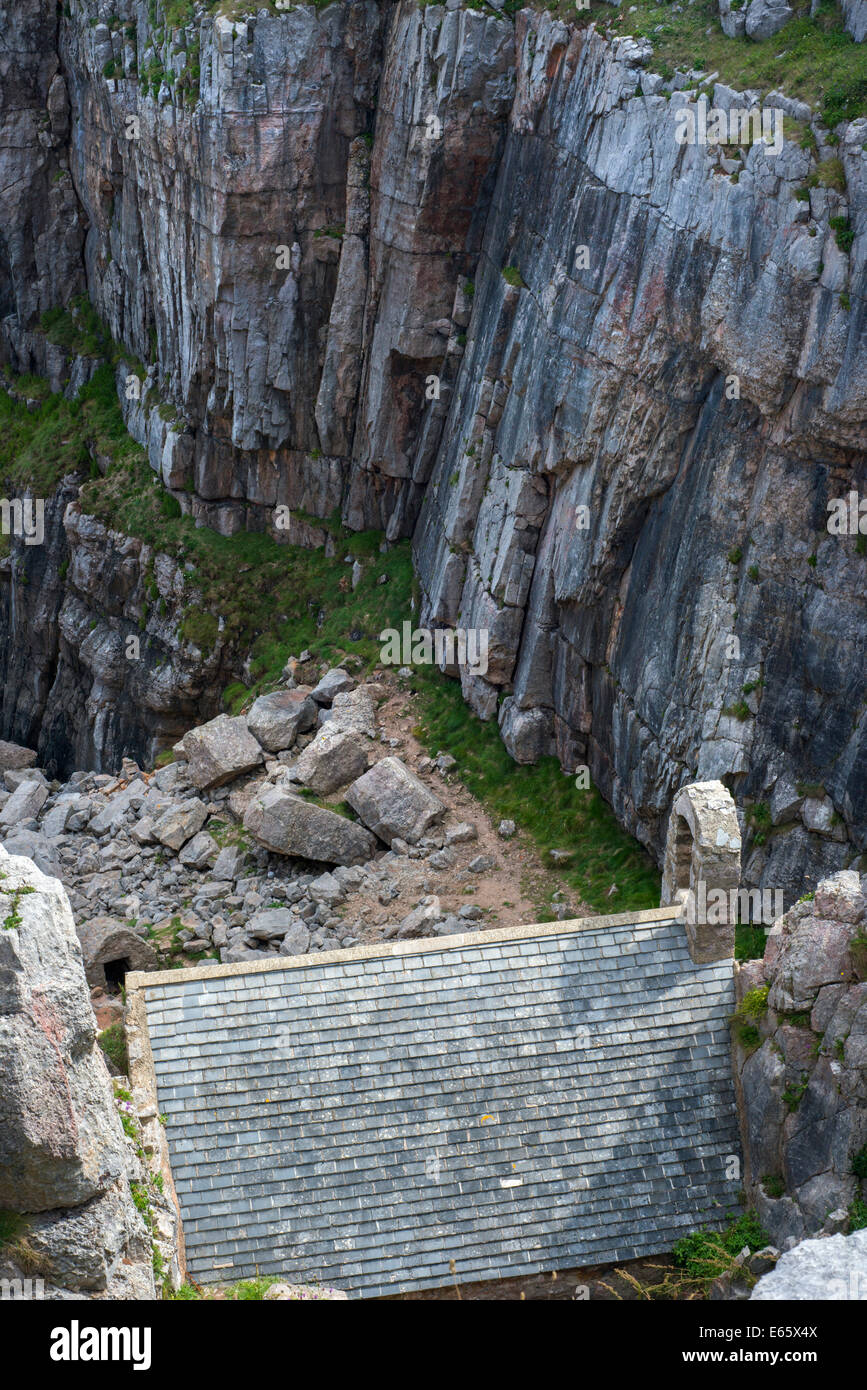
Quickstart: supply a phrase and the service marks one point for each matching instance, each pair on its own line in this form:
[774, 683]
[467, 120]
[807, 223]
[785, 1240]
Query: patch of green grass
[12, 1226]
[773, 1185]
[748, 1036]
[249, 1290]
[794, 1092]
[844, 232]
[540, 800]
[750, 942]
[112, 1040]
[273, 598]
[513, 276]
[813, 59]
[857, 1215]
[40, 446]
[859, 1163]
[704, 1255]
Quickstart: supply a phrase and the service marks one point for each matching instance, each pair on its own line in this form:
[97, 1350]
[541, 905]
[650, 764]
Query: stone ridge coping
[155, 979]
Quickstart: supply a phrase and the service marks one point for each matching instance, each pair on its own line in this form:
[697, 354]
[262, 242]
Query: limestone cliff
[301, 219]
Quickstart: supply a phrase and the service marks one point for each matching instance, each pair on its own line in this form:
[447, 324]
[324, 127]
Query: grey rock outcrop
[64, 1163]
[106, 941]
[832, 1268]
[855, 18]
[764, 18]
[801, 1074]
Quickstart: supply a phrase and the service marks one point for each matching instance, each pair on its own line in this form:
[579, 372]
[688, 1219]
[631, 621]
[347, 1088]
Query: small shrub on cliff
[859, 1164]
[513, 276]
[113, 1043]
[831, 174]
[773, 1185]
[750, 942]
[704, 1255]
[794, 1092]
[755, 1002]
[843, 231]
[857, 1215]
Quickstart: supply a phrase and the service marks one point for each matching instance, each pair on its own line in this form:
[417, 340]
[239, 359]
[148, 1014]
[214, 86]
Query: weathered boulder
[60, 1140]
[330, 761]
[275, 720]
[422, 920]
[230, 862]
[24, 803]
[525, 732]
[180, 823]
[296, 942]
[352, 712]
[764, 18]
[200, 852]
[13, 756]
[107, 942]
[288, 824]
[88, 1247]
[220, 751]
[834, 1267]
[31, 844]
[271, 924]
[301, 1293]
[392, 801]
[334, 682]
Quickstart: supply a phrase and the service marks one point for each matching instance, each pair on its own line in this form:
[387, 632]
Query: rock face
[64, 1163]
[832, 1268]
[617, 465]
[801, 1077]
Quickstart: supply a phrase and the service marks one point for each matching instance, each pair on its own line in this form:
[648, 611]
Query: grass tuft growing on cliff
[42, 441]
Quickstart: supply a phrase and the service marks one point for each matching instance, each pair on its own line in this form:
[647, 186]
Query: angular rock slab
[330, 761]
[13, 756]
[24, 803]
[220, 751]
[334, 682]
[276, 720]
[287, 824]
[180, 823]
[834, 1267]
[393, 802]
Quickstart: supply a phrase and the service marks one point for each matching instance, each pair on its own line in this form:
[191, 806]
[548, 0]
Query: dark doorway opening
[115, 973]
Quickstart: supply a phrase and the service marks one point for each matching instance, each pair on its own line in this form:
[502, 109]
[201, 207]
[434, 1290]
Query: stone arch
[702, 867]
